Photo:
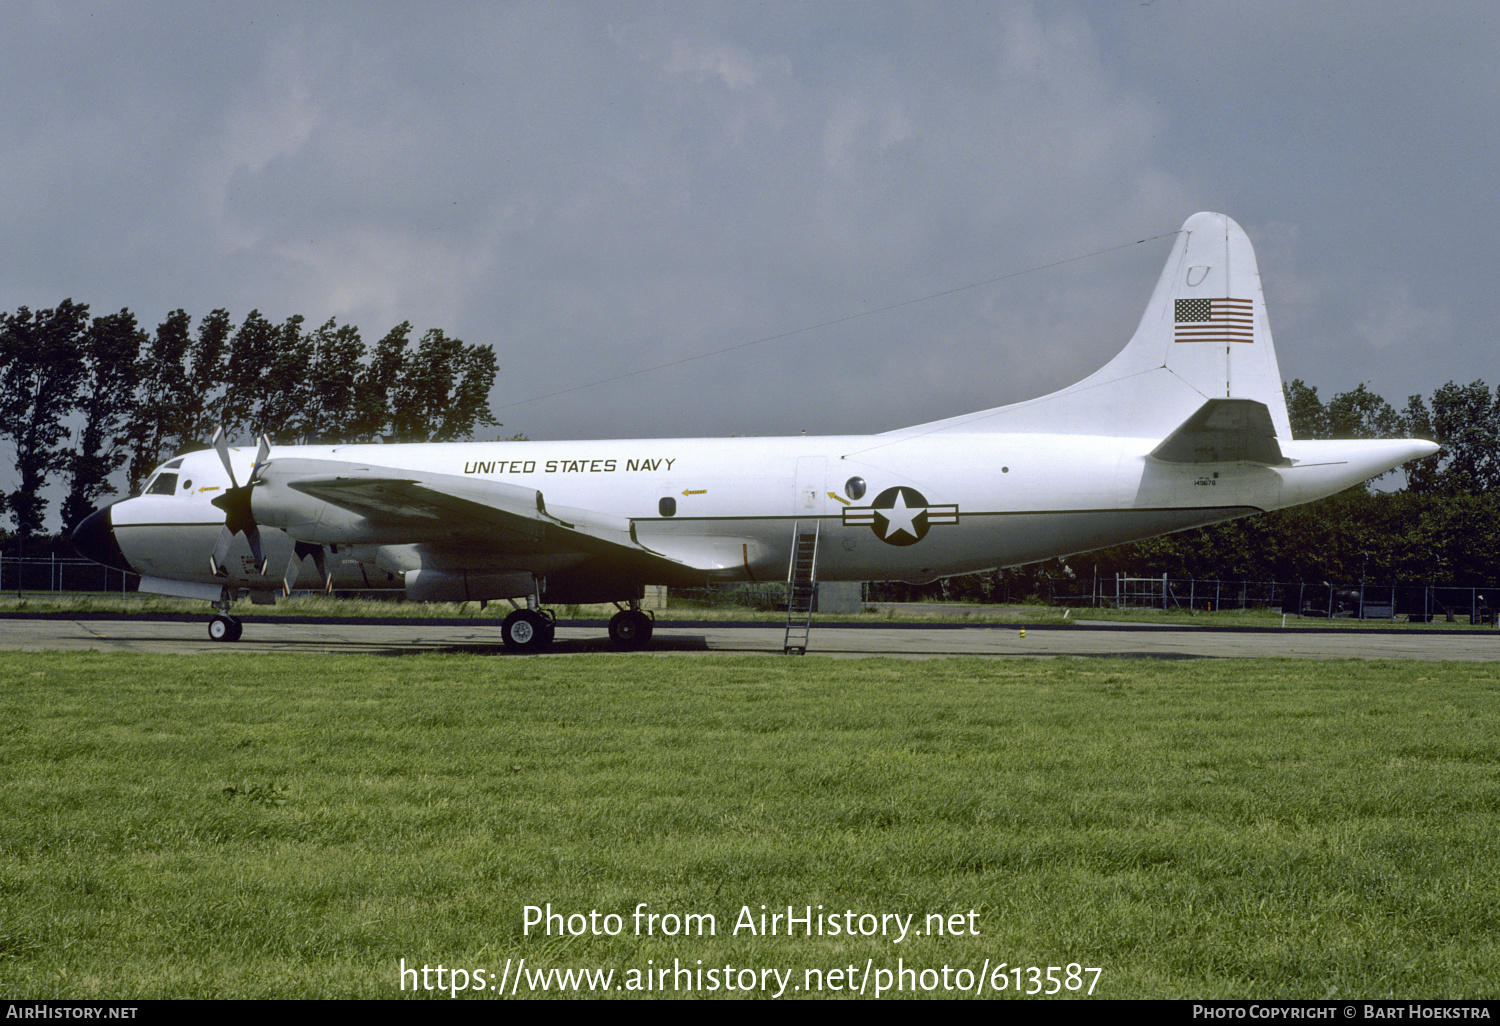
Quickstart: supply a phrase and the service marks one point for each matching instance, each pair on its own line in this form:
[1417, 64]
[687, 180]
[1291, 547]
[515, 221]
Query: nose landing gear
[224, 627]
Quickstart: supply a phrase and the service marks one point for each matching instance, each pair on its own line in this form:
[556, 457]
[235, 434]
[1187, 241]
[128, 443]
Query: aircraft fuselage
[887, 507]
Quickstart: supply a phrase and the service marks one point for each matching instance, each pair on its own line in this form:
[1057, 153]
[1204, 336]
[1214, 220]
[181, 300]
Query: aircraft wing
[391, 506]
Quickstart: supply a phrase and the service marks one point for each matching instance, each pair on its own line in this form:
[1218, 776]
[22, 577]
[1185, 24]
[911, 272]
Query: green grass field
[249, 826]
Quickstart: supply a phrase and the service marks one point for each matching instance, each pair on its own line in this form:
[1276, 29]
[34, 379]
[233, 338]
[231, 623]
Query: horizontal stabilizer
[1224, 431]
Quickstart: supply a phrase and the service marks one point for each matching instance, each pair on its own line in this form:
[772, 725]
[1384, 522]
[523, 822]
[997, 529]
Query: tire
[631, 630]
[224, 628]
[526, 630]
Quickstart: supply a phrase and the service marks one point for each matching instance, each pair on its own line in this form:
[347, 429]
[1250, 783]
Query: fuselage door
[809, 500]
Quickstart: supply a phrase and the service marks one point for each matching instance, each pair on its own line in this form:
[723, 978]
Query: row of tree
[82, 397]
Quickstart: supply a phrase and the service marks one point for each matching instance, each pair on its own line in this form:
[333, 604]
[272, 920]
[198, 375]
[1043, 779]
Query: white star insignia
[901, 518]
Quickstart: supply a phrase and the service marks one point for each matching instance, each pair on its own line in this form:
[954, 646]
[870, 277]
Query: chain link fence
[54, 576]
[1418, 603]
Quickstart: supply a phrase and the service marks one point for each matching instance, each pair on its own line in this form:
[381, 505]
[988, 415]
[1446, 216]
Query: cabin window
[164, 484]
[855, 488]
[173, 465]
[667, 506]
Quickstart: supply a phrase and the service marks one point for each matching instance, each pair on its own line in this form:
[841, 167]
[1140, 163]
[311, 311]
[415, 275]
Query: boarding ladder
[803, 580]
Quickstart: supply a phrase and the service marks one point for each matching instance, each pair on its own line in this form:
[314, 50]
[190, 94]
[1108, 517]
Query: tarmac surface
[188, 635]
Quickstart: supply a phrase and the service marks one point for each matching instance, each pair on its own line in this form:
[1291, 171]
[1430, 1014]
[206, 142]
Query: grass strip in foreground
[294, 826]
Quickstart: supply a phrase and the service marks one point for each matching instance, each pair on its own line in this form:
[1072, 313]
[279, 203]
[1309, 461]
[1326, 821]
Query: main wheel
[630, 629]
[526, 630]
[225, 628]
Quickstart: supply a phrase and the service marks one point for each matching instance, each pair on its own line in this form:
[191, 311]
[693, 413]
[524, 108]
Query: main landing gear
[224, 627]
[529, 630]
[630, 629]
[532, 630]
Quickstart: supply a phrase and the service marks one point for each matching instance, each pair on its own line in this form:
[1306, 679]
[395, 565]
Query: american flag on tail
[1214, 320]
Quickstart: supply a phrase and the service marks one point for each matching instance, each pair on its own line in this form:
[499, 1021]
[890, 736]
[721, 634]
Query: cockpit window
[173, 465]
[162, 484]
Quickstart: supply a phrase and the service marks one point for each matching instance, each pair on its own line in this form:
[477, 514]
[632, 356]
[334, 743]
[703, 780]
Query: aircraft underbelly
[987, 540]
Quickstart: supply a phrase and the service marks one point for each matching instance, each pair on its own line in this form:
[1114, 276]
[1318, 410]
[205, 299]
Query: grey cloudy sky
[598, 188]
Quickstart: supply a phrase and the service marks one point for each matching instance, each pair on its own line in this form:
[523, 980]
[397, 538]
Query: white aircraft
[1186, 426]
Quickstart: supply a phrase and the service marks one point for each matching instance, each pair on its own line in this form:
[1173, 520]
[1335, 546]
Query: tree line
[83, 397]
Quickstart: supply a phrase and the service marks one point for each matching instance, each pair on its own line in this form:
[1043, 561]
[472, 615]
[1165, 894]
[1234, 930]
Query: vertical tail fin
[1206, 323]
[1204, 336]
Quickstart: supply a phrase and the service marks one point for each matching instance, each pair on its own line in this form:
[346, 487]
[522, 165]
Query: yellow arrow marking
[695, 491]
[838, 498]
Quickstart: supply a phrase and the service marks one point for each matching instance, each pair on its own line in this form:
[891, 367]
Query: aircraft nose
[95, 538]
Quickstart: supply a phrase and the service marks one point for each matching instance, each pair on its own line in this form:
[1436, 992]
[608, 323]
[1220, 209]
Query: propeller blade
[320, 563]
[262, 456]
[221, 553]
[217, 561]
[252, 535]
[220, 445]
[300, 552]
[235, 502]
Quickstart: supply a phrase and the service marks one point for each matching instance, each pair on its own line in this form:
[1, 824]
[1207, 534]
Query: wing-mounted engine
[329, 502]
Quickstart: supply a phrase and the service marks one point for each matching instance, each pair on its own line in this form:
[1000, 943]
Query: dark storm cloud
[600, 188]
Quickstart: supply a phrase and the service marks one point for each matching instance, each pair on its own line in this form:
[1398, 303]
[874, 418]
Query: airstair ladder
[803, 578]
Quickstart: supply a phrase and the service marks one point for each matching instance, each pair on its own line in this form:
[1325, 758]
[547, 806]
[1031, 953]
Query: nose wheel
[225, 628]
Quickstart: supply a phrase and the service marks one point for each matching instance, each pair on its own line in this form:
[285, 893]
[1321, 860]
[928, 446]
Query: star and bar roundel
[900, 516]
